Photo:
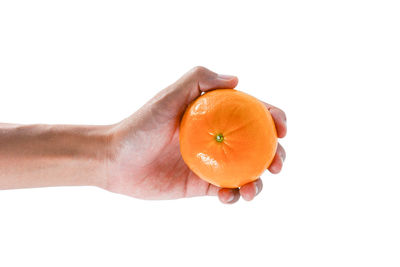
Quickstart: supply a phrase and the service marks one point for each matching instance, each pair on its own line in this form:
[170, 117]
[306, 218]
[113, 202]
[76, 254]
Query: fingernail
[231, 198]
[282, 157]
[225, 77]
[257, 189]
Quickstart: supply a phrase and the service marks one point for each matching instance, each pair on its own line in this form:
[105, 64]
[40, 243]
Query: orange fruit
[227, 137]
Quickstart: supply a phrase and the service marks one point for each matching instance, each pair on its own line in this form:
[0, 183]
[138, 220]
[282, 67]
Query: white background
[333, 66]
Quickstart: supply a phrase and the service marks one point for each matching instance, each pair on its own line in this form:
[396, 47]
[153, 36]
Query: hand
[145, 160]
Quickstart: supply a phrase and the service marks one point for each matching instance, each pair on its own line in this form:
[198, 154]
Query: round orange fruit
[227, 138]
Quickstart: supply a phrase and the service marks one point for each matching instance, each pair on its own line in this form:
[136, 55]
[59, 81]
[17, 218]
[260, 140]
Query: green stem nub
[219, 138]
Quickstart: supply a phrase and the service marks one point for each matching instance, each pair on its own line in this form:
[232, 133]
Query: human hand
[144, 156]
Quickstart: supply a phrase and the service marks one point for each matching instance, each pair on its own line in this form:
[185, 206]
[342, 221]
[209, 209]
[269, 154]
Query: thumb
[200, 79]
[173, 100]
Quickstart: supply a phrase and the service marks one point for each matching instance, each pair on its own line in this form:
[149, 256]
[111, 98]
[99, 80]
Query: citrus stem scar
[219, 138]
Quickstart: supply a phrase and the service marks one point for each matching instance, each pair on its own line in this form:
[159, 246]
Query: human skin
[138, 156]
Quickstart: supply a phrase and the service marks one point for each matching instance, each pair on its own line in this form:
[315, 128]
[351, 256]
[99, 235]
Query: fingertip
[280, 121]
[281, 152]
[276, 165]
[282, 130]
[259, 184]
[227, 81]
[250, 190]
[235, 82]
[225, 195]
[228, 196]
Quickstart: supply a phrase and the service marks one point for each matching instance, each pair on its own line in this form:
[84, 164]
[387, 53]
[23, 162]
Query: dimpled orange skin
[227, 138]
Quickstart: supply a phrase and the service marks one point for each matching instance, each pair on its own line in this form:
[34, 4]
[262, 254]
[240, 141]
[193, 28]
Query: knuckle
[198, 70]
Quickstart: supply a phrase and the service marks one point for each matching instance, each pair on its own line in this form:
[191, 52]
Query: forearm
[52, 155]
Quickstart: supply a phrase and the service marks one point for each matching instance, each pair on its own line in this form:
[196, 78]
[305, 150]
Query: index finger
[279, 117]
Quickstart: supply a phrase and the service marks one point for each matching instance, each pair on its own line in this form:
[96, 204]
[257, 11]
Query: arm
[138, 156]
[52, 155]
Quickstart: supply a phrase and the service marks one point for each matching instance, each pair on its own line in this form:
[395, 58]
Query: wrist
[109, 146]
[116, 140]
[102, 154]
